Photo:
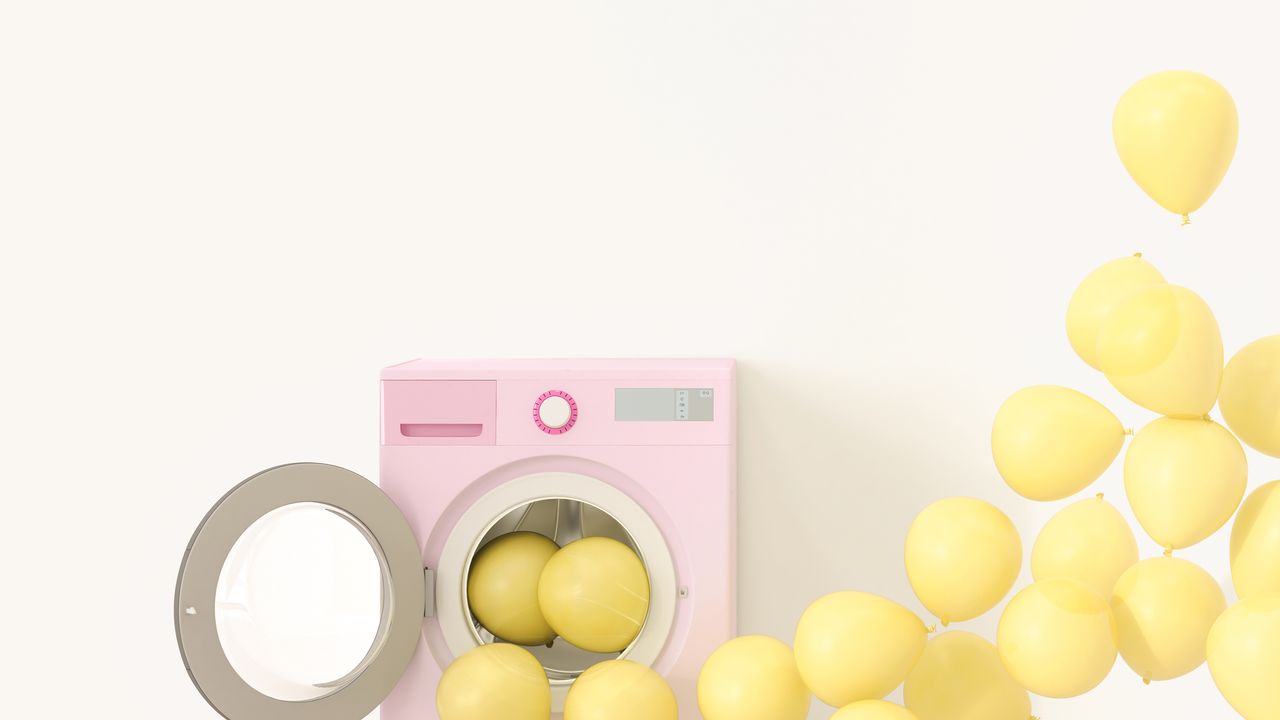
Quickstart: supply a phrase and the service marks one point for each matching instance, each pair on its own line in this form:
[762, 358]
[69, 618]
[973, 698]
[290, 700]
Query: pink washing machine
[308, 592]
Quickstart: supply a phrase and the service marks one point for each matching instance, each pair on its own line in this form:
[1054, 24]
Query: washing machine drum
[302, 593]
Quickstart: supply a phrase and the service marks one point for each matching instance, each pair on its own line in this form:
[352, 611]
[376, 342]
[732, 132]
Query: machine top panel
[559, 403]
[577, 369]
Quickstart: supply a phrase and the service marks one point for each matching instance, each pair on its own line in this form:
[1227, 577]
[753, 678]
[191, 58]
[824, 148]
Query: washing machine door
[301, 595]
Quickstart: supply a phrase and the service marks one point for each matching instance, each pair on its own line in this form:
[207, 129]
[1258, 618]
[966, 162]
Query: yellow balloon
[1184, 479]
[853, 646]
[1244, 656]
[1251, 395]
[494, 682]
[752, 678]
[620, 690]
[874, 710]
[1089, 542]
[1176, 134]
[1255, 543]
[595, 593]
[1162, 349]
[963, 556]
[1164, 608]
[1101, 292]
[502, 587]
[960, 677]
[1057, 638]
[1051, 442]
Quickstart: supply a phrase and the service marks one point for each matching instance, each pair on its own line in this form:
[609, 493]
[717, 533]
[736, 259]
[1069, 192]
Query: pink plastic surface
[681, 473]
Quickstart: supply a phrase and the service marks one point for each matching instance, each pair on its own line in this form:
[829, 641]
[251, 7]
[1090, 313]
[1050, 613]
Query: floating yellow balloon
[1176, 134]
[1057, 638]
[752, 678]
[502, 587]
[960, 677]
[1162, 349]
[494, 682]
[963, 556]
[874, 710]
[1089, 542]
[1051, 442]
[1255, 543]
[595, 593]
[853, 646]
[1244, 656]
[1251, 395]
[620, 690]
[1184, 479]
[1101, 292]
[1164, 608]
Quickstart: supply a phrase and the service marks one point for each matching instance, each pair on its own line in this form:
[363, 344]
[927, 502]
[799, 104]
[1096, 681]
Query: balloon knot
[1137, 254]
[1208, 417]
[1146, 681]
[1168, 551]
[1186, 219]
[945, 623]
[1099, 496]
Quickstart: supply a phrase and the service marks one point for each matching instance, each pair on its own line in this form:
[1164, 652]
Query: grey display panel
[663, 404]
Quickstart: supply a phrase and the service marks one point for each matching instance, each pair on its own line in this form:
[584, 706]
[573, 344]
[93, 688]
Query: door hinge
[429, 598]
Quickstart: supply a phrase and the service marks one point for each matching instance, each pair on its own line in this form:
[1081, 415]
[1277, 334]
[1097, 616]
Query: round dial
[555, 412]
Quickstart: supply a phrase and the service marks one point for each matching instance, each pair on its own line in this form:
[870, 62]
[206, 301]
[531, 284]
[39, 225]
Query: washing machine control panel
[655, 404]
[555, 412]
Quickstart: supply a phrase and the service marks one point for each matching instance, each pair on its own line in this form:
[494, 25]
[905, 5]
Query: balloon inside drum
[559, 522]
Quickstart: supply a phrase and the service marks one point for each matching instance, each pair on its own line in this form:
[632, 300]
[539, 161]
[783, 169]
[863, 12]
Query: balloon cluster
[1092, 598]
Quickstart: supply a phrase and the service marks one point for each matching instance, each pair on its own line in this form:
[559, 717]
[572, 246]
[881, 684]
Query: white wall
[219, 220]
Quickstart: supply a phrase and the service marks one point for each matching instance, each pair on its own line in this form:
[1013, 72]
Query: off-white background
[219, 220]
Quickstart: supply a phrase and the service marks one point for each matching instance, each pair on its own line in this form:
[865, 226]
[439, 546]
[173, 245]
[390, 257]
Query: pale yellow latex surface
[1102, 291]
[1244, 654]
[853, 646]
[1057, 638]
[1051, 442]
[620, 690]
[1162, 349]
[1164, 608]
[502, 587]
[1176, 133]
[1184, 479]
[1255, 543]
[960, 677]
[874, 710]
[595, 593]
[963, 556]
[494, 682]
[1088, 541]
[752, 678]
[1250, 399]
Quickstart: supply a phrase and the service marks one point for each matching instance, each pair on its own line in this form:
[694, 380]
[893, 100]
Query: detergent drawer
[439, 412]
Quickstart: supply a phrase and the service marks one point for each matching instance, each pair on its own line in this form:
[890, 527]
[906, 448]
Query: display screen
[663, 404]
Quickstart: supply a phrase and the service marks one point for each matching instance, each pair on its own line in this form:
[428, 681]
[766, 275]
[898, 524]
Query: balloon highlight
[1176, 134]
[853, 646]
[963, 556]
[752, 678]
[1051, 442]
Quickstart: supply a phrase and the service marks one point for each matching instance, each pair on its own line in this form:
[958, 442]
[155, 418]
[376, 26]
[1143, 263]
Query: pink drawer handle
[441, 430]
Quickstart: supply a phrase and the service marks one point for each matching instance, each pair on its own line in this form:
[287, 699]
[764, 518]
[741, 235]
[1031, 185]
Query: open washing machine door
[301, 596]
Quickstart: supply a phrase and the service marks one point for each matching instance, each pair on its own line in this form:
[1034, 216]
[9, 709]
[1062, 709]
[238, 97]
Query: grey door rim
[403, 601]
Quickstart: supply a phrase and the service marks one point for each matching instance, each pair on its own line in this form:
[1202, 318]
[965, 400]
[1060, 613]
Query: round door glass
[300, 602]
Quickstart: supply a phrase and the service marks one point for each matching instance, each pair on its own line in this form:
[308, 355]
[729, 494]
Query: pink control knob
[555, 412]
